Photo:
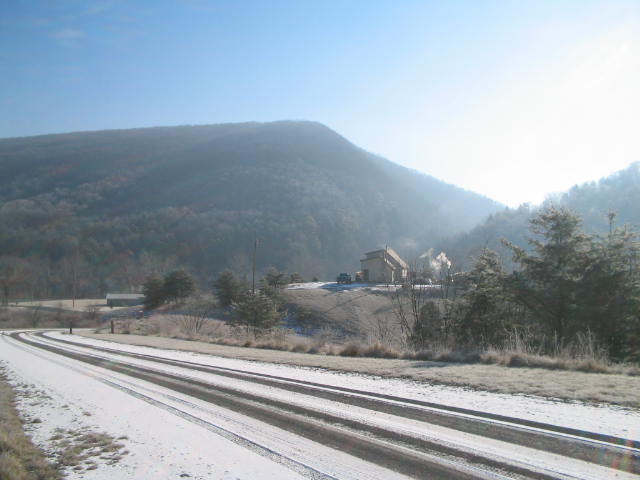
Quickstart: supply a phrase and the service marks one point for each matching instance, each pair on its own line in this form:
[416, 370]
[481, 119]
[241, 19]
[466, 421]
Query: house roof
[124, 296]
[388, 253]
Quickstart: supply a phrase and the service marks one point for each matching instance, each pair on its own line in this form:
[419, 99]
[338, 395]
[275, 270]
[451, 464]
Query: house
[124, 299]
[384, 266]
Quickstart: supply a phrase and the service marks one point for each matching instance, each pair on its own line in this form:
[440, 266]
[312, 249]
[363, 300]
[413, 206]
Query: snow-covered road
[201, 416]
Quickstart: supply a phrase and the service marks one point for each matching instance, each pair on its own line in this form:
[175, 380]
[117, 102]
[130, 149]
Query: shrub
[378, 350]
[351, 349]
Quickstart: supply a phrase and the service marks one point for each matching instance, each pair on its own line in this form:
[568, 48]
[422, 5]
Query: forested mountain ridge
[111, 207]
[593, 201]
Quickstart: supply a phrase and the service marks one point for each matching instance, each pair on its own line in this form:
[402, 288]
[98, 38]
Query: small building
[124, 299]
[384, 266]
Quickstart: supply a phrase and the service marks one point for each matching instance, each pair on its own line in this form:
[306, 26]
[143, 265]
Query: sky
[515, 100]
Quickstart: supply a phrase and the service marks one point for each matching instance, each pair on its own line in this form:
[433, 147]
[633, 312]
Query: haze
[514, 100]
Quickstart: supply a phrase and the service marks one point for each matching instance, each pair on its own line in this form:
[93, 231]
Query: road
[319, 430]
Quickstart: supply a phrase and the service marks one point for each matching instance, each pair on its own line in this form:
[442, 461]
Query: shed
[124, 299]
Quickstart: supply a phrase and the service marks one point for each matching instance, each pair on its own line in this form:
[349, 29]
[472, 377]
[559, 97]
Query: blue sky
[512, 99]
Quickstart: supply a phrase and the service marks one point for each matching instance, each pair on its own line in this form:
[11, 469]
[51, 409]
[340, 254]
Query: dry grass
[353, 313]
[613, 388]
[77, 450]
[583, 357]
[79, 305]
[33, 317]
[19, 458]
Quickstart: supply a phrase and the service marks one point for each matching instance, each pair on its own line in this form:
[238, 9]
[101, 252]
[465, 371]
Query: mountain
[118, 205]
[618, 193]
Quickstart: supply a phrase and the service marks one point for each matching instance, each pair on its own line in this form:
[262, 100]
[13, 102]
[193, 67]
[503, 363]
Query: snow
[169, 435]
[610, 420]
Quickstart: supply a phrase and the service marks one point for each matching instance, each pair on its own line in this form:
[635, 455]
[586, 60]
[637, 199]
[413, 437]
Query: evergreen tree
[228, 288]
[257, 312]
[610, 292]
[178, 285]
[485, 319]
[550, 276]
[154, 293]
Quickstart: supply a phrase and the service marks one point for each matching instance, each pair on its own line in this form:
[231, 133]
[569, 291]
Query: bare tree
[195, 315]
[35, 316]
[408, 301]
[92, 313]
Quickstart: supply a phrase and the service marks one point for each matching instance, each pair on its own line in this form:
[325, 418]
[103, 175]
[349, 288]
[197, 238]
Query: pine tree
[228, 288]
[550, 276]
[257, 312]
[178, 285]
[485, 318]
[154, 293]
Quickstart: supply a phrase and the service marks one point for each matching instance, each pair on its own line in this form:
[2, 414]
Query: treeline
[257, 308]
[568, 288]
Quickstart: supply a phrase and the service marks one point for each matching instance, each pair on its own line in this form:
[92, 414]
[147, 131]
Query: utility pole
[75, 276]
[253, 275]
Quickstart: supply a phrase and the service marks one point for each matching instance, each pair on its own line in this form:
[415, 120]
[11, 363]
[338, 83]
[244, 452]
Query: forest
[92, 212]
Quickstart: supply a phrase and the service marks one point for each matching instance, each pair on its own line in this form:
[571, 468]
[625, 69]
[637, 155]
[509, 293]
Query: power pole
[253, 275]
[75, 276]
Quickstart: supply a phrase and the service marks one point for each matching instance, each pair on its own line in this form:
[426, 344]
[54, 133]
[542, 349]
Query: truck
[343, 278]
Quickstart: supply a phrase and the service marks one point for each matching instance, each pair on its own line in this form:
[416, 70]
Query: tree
[486, 318]
[178, 285]
[14, 274]
[427, 325]
[550, 276]
[195, 315]
[408, 303]
[272, 285]
[257, 311]
[228, 288]
[154, 292]
[610, 293]
[296, 278]
[275, 279]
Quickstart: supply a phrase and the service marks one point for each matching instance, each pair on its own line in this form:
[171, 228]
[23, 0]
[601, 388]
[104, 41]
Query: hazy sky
[512, 99]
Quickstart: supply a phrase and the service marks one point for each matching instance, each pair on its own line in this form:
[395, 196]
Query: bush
[351, 349]
[300, 348]
[378, 350]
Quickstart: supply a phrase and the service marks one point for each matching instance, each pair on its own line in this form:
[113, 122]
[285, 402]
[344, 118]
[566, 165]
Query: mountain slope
[130, 202]
[619, 193]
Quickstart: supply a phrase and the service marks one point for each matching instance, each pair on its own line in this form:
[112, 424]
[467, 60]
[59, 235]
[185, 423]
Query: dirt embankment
[350, 313]
[566, 385]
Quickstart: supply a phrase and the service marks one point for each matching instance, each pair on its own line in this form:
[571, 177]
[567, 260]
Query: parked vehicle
[344, 278]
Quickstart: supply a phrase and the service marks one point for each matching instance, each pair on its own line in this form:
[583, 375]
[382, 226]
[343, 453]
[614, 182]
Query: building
[384, 266]
[124, 299]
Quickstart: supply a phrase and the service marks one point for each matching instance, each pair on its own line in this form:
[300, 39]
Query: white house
[384, 266]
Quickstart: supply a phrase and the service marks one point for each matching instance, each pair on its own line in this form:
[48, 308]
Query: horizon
[512, 100]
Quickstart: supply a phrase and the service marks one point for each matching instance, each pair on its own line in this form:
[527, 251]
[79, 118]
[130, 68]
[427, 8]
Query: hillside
[111, 207]
[619, 193]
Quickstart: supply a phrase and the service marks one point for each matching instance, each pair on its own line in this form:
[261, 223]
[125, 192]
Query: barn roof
[124, 296]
